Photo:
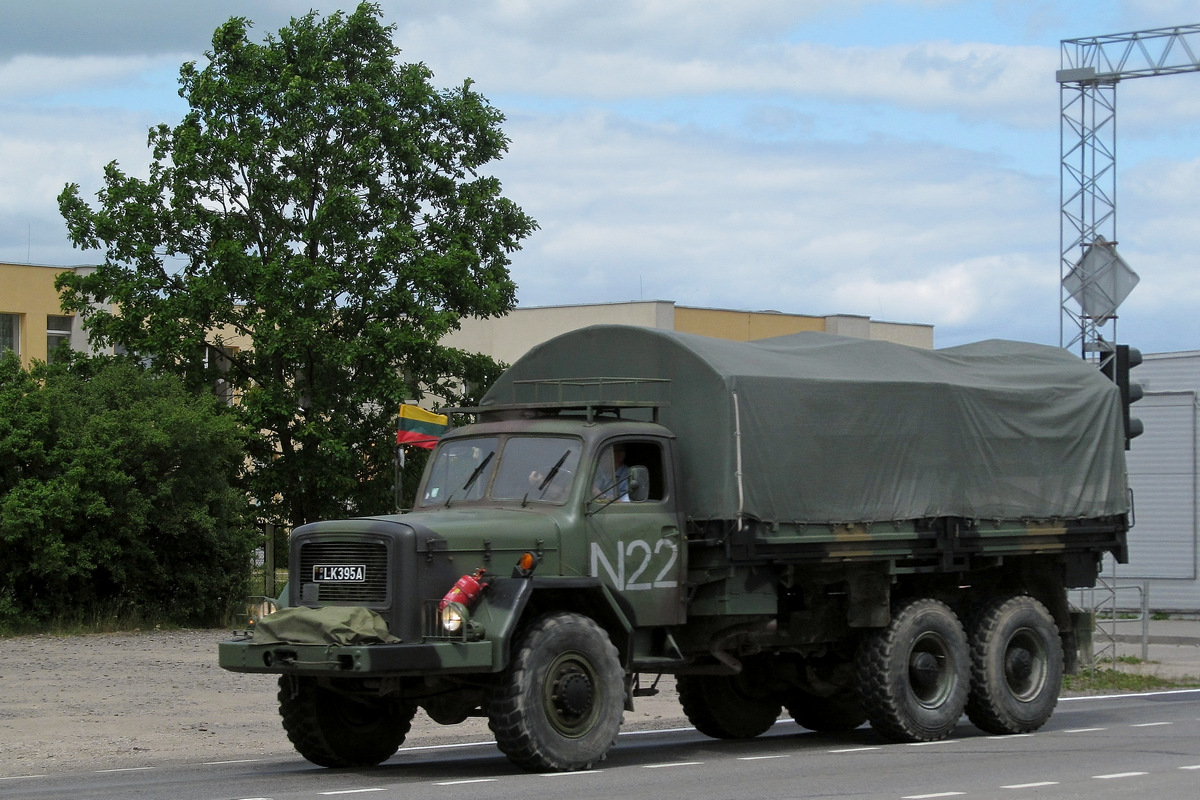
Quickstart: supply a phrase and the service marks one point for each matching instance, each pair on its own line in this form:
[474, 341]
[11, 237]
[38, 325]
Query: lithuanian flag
[420, 427]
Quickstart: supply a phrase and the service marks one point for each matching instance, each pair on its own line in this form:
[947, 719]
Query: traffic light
[1116, 366]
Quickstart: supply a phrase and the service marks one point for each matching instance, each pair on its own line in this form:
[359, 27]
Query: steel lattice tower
[1090, 70]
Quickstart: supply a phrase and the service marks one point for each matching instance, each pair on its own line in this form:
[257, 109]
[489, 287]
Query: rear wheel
[915, 672]
[729, 706]
[560, 704]
[1016, 666]
[333, 727]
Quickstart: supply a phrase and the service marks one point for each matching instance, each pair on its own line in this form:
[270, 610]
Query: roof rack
[592, 395]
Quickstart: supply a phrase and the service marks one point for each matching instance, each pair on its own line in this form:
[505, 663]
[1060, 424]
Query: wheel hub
[1025, 665]
[573, 694]
[1018, 666]
[924, 672]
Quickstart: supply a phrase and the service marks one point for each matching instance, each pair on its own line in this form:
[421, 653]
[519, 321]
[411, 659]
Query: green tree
[323, 198]
[118, 493]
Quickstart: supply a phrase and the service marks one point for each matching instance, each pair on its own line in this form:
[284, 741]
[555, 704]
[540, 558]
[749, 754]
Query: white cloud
[631, 212]
[711, 152]
[42, 151]
[654, 50]
[70, 28]
[28, 76]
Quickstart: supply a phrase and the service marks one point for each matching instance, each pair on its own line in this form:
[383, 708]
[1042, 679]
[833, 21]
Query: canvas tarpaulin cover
[336, 625]
[834, 429]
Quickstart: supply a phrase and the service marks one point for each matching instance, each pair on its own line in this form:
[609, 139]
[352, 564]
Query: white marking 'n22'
[642, 559]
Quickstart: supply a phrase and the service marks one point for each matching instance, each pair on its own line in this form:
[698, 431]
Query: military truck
[854, 531]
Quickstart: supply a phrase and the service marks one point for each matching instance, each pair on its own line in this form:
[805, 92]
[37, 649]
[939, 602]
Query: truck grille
[371, 555]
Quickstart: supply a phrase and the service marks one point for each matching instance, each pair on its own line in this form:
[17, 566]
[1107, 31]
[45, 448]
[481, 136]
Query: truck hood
[482, 529]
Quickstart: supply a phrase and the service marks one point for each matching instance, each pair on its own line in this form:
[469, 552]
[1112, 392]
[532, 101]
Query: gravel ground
[103, 701]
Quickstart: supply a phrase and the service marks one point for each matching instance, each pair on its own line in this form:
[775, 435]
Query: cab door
[635, 542]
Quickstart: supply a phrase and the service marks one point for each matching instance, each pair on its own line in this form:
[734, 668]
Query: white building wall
[1163, 545]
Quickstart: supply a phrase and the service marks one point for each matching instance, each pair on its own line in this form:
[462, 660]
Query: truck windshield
[461, 471]
[521, 468]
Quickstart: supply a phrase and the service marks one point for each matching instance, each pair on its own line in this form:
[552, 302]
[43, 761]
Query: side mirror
[639, 484]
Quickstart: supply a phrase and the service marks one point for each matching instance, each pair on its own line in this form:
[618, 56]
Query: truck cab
[569, 515]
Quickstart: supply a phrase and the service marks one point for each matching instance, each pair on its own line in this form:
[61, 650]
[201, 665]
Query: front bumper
[361, 660]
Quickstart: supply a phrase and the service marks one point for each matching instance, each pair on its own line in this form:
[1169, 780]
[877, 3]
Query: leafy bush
[118, 490]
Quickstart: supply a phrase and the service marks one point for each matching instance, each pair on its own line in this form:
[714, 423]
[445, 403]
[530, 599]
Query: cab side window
[612, 472]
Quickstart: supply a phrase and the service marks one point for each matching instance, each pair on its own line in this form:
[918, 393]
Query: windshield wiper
[541, 487]
[474, 476]
[553, 471]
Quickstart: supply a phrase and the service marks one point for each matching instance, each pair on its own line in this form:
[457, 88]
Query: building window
[10, 333]
[58, 330]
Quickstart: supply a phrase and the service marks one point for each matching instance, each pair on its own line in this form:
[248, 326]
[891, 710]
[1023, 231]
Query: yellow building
[509, 337]
[32, 321]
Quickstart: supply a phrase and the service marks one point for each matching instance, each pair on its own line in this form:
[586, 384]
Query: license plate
[339, 573]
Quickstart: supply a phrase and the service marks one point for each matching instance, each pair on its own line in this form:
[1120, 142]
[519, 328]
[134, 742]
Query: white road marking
[1126, 696]
[577, 773]
[1193, 766]
[126, 769]
[1150, 724]
[235, 761]
[26, 777]
[855, 749]
[1012, 736]
[760, 758]
[1085, 730]
[444, 746]
[939, 741]
[1116, 775]
[354, 791]
[460, 783]
[672, 764]
[1030, 785]
[930, 796]
[654, 731]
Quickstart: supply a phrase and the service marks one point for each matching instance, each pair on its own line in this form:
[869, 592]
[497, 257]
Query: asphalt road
[1093, 747]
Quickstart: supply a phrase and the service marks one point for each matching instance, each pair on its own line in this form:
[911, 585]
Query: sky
[897, 160]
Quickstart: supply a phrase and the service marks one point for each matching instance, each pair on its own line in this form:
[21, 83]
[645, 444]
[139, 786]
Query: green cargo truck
[853, 531]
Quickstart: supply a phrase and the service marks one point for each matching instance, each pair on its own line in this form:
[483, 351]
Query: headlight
[454, 616]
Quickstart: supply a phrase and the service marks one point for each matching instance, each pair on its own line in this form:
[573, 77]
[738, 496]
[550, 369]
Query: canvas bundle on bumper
[849, 530]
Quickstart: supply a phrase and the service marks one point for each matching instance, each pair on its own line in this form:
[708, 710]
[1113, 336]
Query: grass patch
[114, 616]
[1112, 680]
[1129, 660]
[101, 618]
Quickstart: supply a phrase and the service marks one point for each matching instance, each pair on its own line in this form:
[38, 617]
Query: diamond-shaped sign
[1100, 282]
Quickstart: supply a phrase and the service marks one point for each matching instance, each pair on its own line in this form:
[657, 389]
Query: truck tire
[914, 674]
[336, 729]
[1016, 666]
[560, 704]
[834, 714]
[728, 706]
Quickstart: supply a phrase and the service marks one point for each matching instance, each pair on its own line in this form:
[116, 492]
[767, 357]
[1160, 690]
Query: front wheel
[560, 703]
[914, 673]
[1016, 666]
[335, 728]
